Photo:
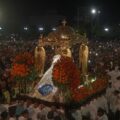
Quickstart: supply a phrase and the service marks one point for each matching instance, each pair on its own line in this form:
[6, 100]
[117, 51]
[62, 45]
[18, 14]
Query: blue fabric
[45, 89]
[19, 110]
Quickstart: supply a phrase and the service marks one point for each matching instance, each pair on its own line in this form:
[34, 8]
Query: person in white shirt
[43, 111]
[102, 103]
[117, 106]
[114, 74]
[2, 108]
[109, 91]
[77, 114]
[92, 107]
[113, 100]
[34, 111]
[101, 114]
[12, 118]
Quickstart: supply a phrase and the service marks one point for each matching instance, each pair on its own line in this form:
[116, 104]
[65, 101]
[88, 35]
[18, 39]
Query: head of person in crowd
[36, 104]
[116, 92]
[57, 118]
[25, 114]
[109, 85]
[118, 78]
[41, 106]
[11, 113]
[100, 112]
[53, 108]
[28, 102]
[21, 102]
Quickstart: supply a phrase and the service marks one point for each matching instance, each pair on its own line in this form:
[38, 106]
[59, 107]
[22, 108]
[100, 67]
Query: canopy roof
[64, 34]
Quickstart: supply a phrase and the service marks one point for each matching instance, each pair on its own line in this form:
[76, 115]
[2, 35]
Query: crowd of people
[103, 57]
[104, 107]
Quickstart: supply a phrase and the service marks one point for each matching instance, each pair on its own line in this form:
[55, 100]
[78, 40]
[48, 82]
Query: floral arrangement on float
[66, 76]
[22, 70]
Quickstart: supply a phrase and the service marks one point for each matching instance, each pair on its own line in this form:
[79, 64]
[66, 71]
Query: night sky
[18, 12]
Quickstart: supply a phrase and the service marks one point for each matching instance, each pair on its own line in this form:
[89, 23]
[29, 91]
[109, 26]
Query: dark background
[14, 14]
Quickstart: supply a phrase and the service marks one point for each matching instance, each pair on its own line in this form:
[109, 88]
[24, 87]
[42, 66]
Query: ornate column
[83, 58]
[40, 57]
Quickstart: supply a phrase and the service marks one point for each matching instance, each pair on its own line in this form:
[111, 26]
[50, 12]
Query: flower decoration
[84, 93]
[67, 75]
[22, 64]
[65, 72]
[24, 58]
[20, 70]
[23, 69]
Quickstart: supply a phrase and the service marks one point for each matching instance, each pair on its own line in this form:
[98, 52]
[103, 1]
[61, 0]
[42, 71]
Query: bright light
[54, 29]
[40, 28]
[106, 29]
[89, 61]
[93, 11]
[26, 28]
[92, 80]
[64, 36]
[80, 86]
[96, 54]
[0, 28]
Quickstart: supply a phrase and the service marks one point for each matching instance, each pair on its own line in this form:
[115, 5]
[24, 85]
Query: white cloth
[77, 115]
[47, 79]
[34, 114]
[116, 85]
[2, 108]
[92, 109]
[30, 110]
[113, 74]
[102, 103]
[22, 118]
[104, 117]
[84, 110]
[109, 92]
[12, 118]
[45, 111]
[113, 100]
[117, 104]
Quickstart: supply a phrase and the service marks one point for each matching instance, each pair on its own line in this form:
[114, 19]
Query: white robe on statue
[47, 79]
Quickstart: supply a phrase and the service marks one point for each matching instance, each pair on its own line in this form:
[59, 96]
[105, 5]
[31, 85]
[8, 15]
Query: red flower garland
[22, 65]
[20, 70]
[65, 72]
[24, 58]
[84, 93]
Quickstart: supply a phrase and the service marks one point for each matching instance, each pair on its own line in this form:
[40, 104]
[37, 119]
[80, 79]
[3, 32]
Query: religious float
[65, 83]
